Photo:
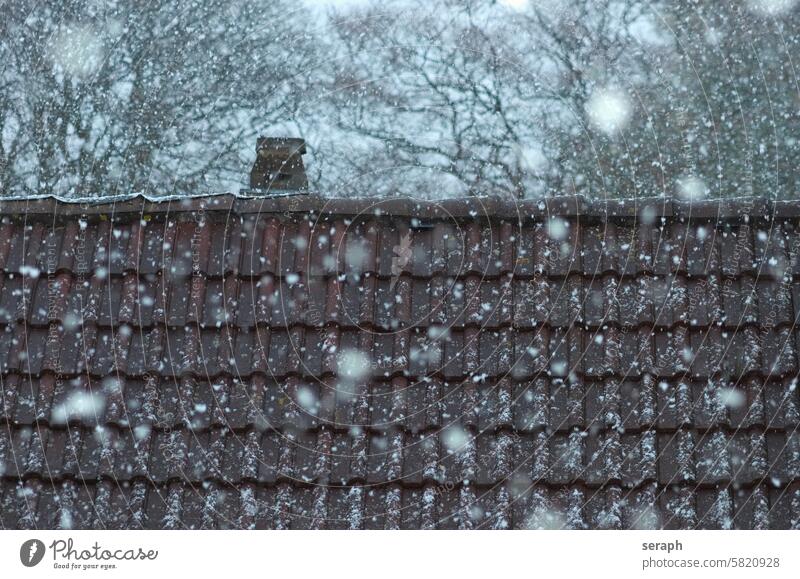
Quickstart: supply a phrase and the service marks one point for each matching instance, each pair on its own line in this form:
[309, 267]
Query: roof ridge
[464, 207]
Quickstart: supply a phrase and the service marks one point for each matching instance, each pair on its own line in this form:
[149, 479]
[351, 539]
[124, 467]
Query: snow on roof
[366, 363]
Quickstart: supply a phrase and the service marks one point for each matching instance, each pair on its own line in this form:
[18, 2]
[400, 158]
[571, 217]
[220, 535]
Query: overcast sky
[326, 3]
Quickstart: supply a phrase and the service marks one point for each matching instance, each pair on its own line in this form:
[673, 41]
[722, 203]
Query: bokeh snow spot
[65, 520]
[544, 518]
[732, 398]
[83, 405]
[691, 188]
[71, 322]
[647, 215]
[771, 7]
[356, 256]
[515, 4]
[455, 438]
[307, 399]
[645, 518]
[77, 49]
[609, 110]
[531, 159]
[438, 333]
[141, 431]
[300, 242]
[353, 365]
[557, 228]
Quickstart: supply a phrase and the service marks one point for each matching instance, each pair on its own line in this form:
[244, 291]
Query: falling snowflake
[81, 405]
[609, 110]
[455, 438]
[691, 188]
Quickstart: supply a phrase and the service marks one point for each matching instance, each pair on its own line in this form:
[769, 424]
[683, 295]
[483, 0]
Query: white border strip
[406, 555]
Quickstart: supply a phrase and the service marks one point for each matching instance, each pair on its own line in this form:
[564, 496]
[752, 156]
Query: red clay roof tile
[452, 365]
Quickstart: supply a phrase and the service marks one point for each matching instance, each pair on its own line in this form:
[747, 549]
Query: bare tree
[733, 99]
[485, 101]
[102, 98]
[602, 97]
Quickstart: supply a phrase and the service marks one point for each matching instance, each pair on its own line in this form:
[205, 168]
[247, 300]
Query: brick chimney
[279, 164]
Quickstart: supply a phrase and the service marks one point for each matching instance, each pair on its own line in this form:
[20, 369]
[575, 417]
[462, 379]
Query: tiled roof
[302, 362]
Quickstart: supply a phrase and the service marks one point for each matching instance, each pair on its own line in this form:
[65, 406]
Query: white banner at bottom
[389, 554]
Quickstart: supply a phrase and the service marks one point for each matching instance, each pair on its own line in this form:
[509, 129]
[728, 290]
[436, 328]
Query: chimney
[279, 164]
